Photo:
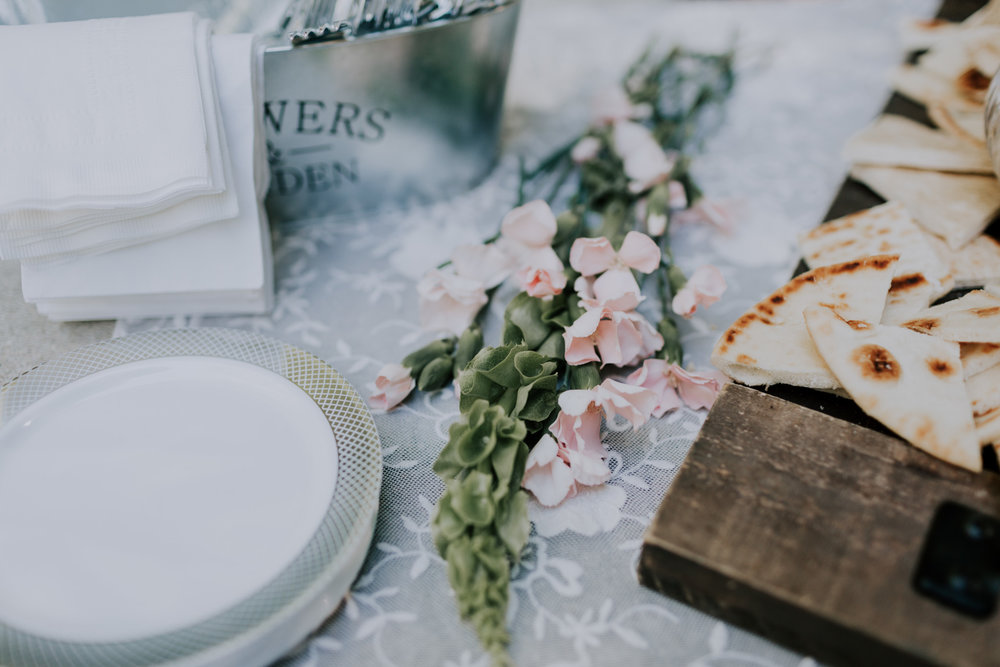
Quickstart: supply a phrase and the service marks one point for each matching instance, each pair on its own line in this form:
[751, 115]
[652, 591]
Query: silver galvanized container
[400, 116]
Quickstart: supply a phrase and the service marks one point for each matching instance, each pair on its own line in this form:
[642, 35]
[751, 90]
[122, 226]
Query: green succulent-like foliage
[521, 381]
[538, 324]
[469, 343]
[481, 523]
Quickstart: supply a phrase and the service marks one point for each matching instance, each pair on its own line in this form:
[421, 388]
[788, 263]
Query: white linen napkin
[38, 234]
[102, 114]
[222, 267]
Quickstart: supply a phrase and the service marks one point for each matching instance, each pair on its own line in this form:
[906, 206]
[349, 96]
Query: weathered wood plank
[807, 529]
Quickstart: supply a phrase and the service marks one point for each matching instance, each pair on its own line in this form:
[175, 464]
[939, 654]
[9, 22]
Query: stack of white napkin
[133, 169]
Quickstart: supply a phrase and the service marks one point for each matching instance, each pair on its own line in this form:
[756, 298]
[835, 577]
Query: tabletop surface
[810, 74]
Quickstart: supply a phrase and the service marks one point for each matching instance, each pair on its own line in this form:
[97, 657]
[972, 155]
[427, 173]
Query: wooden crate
[807, 529]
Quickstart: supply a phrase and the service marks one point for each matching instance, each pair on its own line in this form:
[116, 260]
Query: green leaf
[512, 524]
[471, 498]
[586, 376]
[416, 360]
[469, 343]
[554, 345]
[525, 314]
[436, 374]
[504, 462]
[446, 526]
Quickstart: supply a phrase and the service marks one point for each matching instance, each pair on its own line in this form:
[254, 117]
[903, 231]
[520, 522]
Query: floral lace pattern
[811, 74]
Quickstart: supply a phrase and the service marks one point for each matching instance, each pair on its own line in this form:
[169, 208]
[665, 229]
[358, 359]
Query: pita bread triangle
[920, 34]
[769, 343]
[956, 207]
[987, 15]
[921, 276]
[984, 394]
[978, 357]
[993, 288]
[910, 382]
[974, 318]
[969, 126]
[929, 88]
[973, 265]
[895, 141]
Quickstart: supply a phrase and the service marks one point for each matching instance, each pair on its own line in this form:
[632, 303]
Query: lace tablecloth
[811, 74]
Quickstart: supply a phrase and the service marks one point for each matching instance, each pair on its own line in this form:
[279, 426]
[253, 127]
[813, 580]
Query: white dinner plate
[193, 497]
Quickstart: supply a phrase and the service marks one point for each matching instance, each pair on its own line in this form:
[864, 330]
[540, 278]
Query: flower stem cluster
[532, 408]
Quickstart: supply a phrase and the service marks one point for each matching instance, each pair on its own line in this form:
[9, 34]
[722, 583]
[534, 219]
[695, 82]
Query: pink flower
[628, 137]
[449, 301]
[648, 166]
[616, 288]
[698, 390]
[542, 273]
[634, 403]
[645, 162]
[673, 385]
[576, 455]
[546, 473]
[527, 233]
[393, 384]
[613, 104]
[714, 213]
[532, 225]
[585, 150]
[577, 428]
[703, 288]
[591, 256]
[611, 337]
[541, 283]
[485, 263]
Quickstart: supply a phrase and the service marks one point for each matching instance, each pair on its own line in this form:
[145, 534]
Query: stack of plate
[204, 496]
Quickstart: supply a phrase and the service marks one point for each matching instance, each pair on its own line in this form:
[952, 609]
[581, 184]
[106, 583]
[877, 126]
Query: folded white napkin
[102, 114]
[222, 267]
[35, 233]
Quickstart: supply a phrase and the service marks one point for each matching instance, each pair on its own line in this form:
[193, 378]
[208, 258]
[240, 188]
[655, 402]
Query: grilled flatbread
[984, 394]
[987, 15]
[978, 357]
[894, 141]
[973, 265]
[928, 88]
[956, 207]
[921, 277]
[993, 289]
[909, 295]
[969, 126]
[769, 343]
[974, 318]
[920, 34]
[910, 382]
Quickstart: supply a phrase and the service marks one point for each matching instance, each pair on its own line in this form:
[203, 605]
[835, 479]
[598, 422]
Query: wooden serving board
[808, 529]
[798, 517]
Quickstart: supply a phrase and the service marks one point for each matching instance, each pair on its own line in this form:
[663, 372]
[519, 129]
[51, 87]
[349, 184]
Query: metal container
[400, 116]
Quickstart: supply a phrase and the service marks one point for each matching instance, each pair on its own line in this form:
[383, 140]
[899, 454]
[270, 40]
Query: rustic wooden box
[807, 529]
